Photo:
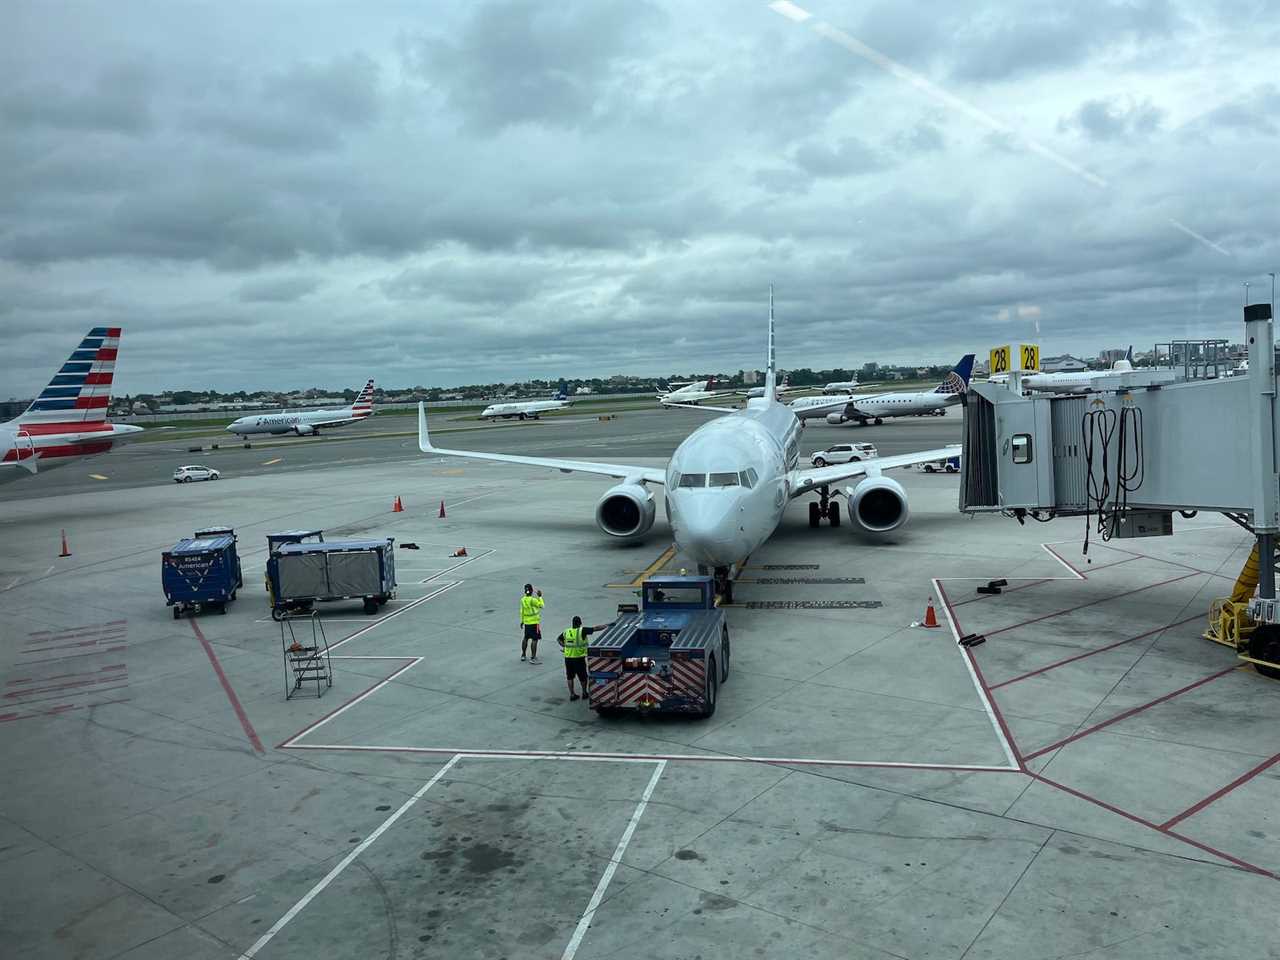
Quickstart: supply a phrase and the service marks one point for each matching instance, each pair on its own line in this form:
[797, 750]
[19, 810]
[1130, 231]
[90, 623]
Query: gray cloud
[504, 190]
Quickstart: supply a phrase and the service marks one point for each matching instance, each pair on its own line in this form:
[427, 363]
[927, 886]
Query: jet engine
[835, 419]
[625, 511]
[304, 430]
[878, 504]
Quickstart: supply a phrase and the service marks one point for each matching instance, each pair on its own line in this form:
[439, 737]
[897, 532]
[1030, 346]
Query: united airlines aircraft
[68, 421]
[728, 483]
[878, 407]
[306, 423]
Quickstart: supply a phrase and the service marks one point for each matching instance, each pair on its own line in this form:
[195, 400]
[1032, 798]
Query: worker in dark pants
[574, 643]
[530, 622]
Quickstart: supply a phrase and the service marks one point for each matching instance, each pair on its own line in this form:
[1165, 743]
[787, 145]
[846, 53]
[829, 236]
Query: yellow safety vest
[531, 609]
[575, 644]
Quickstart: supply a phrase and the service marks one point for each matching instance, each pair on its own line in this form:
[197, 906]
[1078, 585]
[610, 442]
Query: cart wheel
[713, 687]
[222, 608]
[277, 613]
[608, 713]
[233, 594]
[1265, 645]
[177, 613]
[370, 605]
[724, 653]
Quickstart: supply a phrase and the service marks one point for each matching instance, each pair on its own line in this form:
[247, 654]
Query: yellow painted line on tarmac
[97, 476]
[267, 463]
[663, 559]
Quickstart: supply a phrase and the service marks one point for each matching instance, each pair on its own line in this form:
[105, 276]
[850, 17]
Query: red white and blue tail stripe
[80, 391]
[363, 406]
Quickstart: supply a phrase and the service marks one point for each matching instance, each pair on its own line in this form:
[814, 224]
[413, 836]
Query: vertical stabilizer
[363, 406]
[771, 369]
[80, 392]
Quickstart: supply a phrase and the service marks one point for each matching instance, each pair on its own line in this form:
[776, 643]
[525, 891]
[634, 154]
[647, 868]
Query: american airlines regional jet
[306, 423]
[68, 421]
[728, 483]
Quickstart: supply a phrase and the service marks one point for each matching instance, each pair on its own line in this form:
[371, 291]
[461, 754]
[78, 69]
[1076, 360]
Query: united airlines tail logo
[953, 383]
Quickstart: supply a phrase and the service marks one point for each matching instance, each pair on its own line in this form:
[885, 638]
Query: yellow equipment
[1231, 626]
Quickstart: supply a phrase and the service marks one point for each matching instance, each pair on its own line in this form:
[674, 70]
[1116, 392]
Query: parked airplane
[1075, 382]
[306, 423]
[692, 394]
[728, 483]
[877, 406]
[68, 421]
[527, 409]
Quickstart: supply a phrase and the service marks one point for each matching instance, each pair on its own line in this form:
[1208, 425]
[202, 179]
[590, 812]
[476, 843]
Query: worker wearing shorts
[574, 643]
[531, 622]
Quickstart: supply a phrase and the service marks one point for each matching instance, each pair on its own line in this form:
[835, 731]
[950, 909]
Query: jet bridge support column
[1260, 333]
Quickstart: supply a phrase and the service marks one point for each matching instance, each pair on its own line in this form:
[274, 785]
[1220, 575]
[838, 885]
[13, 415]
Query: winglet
[424, 440]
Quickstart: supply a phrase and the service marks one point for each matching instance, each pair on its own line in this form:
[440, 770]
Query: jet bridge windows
[1021, 443]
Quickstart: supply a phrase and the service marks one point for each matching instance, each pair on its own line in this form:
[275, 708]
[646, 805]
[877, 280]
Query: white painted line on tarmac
[585, 922]
[478, 556]
[977, 684]
[414, 661]
[344, 863]
[381, 620]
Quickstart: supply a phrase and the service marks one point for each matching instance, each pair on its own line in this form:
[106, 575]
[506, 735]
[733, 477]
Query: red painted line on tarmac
[1244, 778]
[63, 694]
[982, 681]
[1091, 603]
[1175, 563]
[226, 687]
[1083, 575]
[1081, 656]
[1129, 713]
[70, 676]
[1243, 864]
[73, 631]
[69, 685]
[75, 645]
[58, 710]
[73, 656]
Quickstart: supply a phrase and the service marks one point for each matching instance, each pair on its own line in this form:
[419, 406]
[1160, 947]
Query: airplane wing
[621, 471]
[801, 481]
[703, 406]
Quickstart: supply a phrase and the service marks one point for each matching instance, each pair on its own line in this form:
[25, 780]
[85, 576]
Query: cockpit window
[693, 480]
[750, 477]
[722, 480]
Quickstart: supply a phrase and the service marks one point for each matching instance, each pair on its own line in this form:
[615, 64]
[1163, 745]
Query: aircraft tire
[815, 514]
[523, 417]
[833, 513]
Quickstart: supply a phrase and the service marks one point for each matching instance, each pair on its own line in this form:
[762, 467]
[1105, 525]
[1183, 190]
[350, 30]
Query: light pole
[1246, 293]
[1272, 275]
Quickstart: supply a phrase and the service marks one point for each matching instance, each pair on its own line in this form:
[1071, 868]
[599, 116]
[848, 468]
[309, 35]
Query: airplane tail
[1128, 354]
[78, 395]
[957, 381]
[363, 407]
[771, 368]
[563, 392]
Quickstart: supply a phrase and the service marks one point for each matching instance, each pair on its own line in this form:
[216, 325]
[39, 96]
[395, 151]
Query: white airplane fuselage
[522, 409]
[302, 423]
[720, 526]
[902, 404]
[846, 386]
[806, 408]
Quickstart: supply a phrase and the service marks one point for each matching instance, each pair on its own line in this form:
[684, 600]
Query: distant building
[1063, 364]
[1108, 358]
[751, 378]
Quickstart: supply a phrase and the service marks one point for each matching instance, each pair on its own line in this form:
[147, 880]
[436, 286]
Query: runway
[634, 434]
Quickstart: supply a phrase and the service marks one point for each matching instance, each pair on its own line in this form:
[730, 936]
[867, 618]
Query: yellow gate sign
[1000, 357]
[1030, 356]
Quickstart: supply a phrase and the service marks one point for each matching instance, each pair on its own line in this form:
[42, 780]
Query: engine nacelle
[835, 419]
[626, 511]
[878, 504]
[303, 429]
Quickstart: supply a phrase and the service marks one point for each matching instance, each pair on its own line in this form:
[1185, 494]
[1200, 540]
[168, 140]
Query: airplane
[728, 483]
[305, 423]
[527, 409]
[841, 386]
[877, 406]
[68, 421]
[692, 394]
[1075, 382]
[783, 389]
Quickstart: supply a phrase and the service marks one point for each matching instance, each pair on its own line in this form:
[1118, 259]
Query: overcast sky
[285, 195]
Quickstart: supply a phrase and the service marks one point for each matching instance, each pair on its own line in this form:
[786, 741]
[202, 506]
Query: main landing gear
[826, 506]
[724, 584]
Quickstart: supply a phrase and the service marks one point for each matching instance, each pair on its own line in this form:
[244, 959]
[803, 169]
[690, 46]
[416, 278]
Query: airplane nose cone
[708, 527]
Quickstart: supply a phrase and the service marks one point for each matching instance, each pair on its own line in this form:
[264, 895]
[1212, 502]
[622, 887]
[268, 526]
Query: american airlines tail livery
[306, 423]
[68, 421]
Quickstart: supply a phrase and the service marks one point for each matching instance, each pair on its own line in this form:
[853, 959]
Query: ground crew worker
[574, 642]
[530, 622]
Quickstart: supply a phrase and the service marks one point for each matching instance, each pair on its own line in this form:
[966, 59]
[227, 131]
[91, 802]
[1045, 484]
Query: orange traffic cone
[66, 552]
[441, 509]
[930, 617]
[397, 507]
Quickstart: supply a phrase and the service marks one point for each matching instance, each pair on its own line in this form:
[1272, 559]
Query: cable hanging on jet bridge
[1100, 427]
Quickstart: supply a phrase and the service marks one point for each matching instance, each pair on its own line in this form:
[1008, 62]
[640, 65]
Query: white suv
[844, 453]
[187, 474]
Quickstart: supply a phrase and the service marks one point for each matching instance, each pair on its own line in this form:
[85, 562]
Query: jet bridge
[1142, 445]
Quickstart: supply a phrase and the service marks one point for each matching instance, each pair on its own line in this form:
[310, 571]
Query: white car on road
[187, 474]
[844, 453]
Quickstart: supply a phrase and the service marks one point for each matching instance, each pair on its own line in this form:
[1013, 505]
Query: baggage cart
[200, 573]
[300, 575]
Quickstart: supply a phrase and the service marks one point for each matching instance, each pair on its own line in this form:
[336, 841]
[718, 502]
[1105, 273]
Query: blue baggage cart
[200, 573]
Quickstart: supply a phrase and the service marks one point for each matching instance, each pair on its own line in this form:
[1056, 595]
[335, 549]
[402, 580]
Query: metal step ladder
[305, 661]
